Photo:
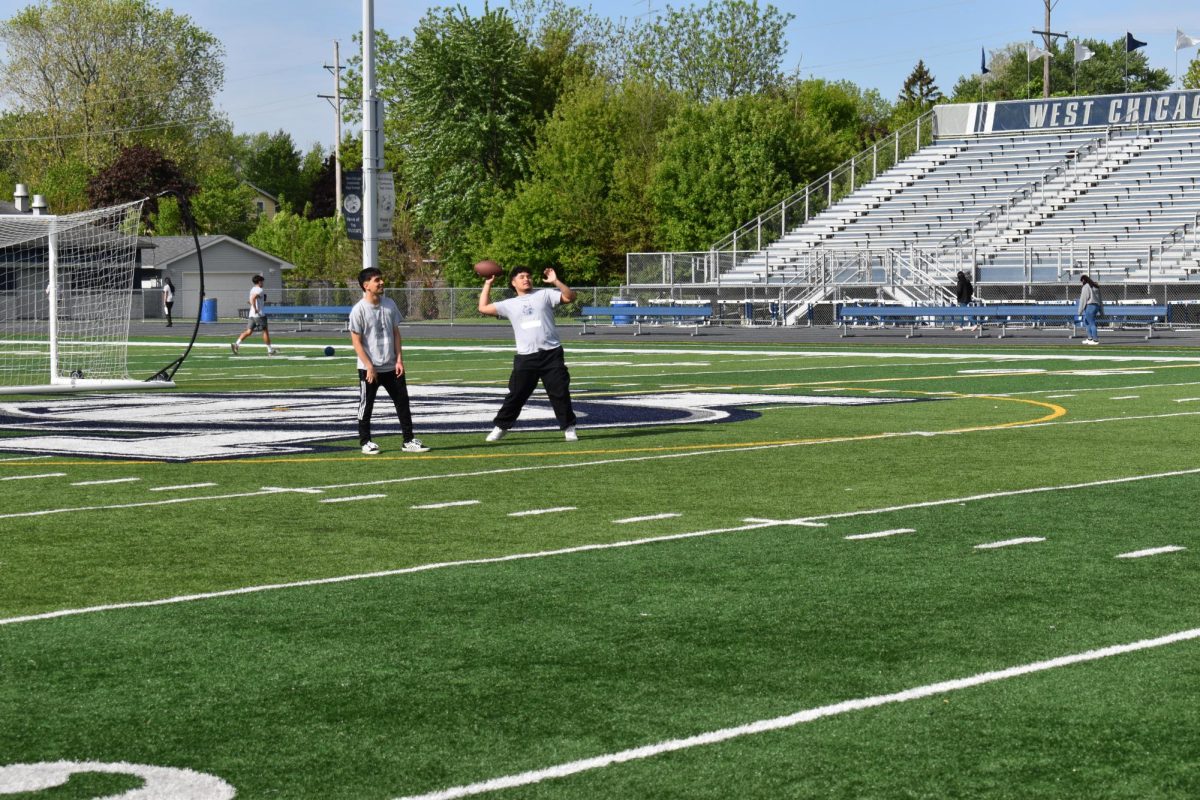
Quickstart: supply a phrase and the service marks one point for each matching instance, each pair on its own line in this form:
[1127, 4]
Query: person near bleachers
[1090, 306]
[964, 292]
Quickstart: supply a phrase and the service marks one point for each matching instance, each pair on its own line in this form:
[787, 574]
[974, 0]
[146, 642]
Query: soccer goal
[66, 290]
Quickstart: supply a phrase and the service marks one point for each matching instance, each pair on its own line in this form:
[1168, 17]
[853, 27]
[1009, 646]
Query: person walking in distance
[257, 319]
[1090, 306]
[375, 334]
[539, 350]
[168, 298]
[964, 292]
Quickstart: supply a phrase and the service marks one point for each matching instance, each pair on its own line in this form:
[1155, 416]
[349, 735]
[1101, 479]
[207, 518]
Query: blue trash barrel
[621, 320]
[208, 310]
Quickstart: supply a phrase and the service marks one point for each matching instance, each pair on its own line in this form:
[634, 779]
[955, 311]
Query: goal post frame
[88, 350]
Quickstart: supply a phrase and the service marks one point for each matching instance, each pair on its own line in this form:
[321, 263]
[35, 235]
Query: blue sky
[276, 49]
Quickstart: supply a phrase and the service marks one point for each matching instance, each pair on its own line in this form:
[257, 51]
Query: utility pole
[1047, 38]
[336, 100]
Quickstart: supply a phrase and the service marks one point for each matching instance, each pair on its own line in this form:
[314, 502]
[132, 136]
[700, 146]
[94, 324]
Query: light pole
[370, 135]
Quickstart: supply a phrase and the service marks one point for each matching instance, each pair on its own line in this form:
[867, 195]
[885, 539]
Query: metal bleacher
[1107, 196]
[1118, 201]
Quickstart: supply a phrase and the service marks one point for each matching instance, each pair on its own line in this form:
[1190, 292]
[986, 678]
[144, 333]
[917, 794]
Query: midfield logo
[193, 427]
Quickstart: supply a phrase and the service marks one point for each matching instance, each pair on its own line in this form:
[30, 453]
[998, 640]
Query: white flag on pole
[1034, 52]
[1182, 40]
[1081, 52]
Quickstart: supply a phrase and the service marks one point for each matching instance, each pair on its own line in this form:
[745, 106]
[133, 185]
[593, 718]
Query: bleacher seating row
[1105, 198]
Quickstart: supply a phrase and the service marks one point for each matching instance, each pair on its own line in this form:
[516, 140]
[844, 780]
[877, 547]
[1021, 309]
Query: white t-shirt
[260, 294]
[168, 293]
[532, 318]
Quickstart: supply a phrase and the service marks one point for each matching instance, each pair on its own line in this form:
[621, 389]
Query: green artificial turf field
[744, 581]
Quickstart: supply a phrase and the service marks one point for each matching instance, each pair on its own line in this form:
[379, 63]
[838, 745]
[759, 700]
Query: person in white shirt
[539, 350]
[375, 334]
[257, 319]
[168, 298]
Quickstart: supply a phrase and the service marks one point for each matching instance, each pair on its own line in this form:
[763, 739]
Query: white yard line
[34, 477]
[536, 511]
[1010, 542]
[181, 486]
[452, 504]
[813, 521]
[798, 718]
[1126, 397]
[104, 482]
[1152, 551]
[352, 499]
[974, 498]
[880, 534]
[586, 548]
[25, 458]
[647, 518]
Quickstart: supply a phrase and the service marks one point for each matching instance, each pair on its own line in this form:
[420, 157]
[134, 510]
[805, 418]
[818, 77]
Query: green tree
[919, 89]
[723, 50]
[725, 162]
[317, 247]
[585, 205]
[89, 77]
[274, 164]
[466, 91]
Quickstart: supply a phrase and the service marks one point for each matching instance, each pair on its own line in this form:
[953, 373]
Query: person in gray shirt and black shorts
[375, 334]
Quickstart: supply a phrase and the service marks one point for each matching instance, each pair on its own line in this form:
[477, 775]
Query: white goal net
[66, 289]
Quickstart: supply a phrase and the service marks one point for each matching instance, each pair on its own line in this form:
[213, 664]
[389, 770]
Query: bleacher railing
[792, 212]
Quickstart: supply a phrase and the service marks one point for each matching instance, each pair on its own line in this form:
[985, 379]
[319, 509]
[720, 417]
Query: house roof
[260, 190]
[169, 249]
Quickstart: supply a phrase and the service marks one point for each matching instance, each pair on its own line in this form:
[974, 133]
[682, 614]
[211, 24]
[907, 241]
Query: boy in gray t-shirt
[375, 334]
[539, 350]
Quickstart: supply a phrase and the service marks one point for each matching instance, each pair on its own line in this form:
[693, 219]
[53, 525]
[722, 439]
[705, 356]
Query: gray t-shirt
[376, 325]
[532, 318]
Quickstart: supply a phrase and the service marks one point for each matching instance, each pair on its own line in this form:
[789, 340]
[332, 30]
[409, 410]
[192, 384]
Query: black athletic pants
[548, 366]
[397, 389]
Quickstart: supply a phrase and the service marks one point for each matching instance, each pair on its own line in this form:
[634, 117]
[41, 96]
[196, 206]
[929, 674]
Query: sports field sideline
[766, 570]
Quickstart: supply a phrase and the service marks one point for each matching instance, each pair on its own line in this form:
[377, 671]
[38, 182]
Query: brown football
[488, 269]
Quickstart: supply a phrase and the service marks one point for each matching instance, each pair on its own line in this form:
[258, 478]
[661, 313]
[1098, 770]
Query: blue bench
[302, 314]
[693, 316]
[1000, 315]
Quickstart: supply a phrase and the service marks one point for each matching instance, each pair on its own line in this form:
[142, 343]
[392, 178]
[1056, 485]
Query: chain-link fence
[739, 305]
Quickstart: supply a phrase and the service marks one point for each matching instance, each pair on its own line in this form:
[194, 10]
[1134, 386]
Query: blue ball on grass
[329, 350]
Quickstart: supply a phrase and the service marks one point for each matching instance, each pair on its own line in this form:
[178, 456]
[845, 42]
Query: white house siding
[228, 268]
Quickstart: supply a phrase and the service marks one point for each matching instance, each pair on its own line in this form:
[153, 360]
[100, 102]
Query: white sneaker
[414, 446]
[496, 435]
[570, 435]
[370, 449]
[271, 351]
[1090, 341]
[234, 347]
